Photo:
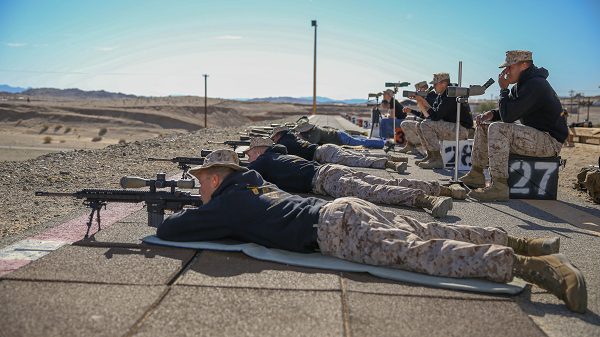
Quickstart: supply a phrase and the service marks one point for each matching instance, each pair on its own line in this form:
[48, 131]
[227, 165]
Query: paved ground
[115, 286]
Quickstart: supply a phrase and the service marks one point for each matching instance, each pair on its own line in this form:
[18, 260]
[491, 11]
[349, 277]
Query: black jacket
[397, 109]
[444, 108]
[247, 208]
[430, 98]
[297, 146]
[533, 101]
[290, 173]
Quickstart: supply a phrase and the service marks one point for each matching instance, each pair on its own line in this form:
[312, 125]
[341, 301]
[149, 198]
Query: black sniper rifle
[185, 163]
[156, 201]
[233, 143]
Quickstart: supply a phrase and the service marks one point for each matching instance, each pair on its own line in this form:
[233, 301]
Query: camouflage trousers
[358, 231]
[340, 181]
[331, 153]
[494, 143]
[432, 132]
[412, 131]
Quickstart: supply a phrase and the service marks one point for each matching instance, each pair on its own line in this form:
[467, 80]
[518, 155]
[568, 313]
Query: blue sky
[264, 48]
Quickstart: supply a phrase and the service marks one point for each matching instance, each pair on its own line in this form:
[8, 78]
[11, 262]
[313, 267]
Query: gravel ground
[22, 214]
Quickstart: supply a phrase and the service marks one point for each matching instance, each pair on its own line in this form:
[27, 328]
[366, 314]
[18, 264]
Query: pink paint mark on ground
[7, 266]
[74, 230]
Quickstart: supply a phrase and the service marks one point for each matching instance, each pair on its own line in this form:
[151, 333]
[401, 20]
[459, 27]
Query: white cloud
[15, 44]
[228, 37]
[41, 45]
[105, 48]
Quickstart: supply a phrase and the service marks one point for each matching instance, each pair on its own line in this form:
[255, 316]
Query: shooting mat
[317, 260]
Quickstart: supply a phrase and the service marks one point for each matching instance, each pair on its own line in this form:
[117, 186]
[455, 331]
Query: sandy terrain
[50, 124]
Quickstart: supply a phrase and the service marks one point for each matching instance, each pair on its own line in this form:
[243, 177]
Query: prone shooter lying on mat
[240, 205]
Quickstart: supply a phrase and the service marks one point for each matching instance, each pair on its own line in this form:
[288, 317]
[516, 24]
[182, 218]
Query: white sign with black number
[464, 155]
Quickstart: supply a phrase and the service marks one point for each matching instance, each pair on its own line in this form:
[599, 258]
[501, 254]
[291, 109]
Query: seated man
[294, 174]
[389, 126]
[317, 135]
[411, 127]
[532, 101]
[441, 121]
[335, 154]
[240, 205]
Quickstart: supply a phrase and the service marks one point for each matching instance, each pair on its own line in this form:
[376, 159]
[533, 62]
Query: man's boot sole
[576, 298]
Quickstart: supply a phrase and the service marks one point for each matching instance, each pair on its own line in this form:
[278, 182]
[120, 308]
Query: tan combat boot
[557, 275]
[398, 167]
[397, 159]
[498, 191]
[455, 191]
[418, 161]
[534, 247]
[439, 206]
[474, 178]
[434, 162]
[408, 148]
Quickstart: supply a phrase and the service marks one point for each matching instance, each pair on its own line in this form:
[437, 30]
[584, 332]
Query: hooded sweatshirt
[533, 101]
[444, 108]
[246, 208]
[290, 173]
[296, 146]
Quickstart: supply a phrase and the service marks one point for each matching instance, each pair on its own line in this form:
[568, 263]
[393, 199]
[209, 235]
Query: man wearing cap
[410, 127]
[294, 174]
[540, 134]
[393, 104]
[335, 154]
[317, 135]
[441, 121]
[240, 205]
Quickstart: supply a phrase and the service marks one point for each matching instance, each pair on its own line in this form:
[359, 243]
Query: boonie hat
[223, 158]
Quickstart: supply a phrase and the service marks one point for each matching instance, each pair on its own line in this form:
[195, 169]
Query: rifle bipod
[95, 205]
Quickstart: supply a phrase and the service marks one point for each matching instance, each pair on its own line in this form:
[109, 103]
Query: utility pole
[571, 94]
[314, 24]
[205, 104]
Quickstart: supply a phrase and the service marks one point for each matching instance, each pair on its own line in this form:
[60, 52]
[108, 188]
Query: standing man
[441, 121]
[542, 133]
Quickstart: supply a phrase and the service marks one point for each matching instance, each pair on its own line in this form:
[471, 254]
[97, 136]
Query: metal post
[457, 123]
[205, 101]
[588, 109]
[314, 24]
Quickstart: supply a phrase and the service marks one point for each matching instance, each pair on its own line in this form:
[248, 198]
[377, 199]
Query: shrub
[19, 122]
[47, 140]
[58, 127]
[44, 129]
[67, 130]
[122, 141]
[102, 132]
[62, 140]
[96, 139]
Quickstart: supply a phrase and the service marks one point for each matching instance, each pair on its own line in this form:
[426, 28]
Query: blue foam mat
[317, 260]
